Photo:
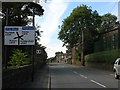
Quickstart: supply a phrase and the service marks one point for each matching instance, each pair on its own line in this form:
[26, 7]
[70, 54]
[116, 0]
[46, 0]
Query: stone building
[59, 56]
[63, 57]
[108, 40]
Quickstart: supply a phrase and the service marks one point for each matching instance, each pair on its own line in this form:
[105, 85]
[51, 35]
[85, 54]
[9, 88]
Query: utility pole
[5, 47]
[33, 48]
[33, 16]
[82, 50]
[6, 17]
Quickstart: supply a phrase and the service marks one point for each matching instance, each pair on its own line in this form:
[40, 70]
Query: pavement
[41, 78]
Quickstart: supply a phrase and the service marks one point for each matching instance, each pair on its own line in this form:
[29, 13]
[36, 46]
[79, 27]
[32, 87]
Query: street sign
[38, 51]
[19, 35]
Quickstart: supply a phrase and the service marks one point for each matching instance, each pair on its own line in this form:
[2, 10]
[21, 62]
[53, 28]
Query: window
[116, 62]
[119, 62]
[113, 41]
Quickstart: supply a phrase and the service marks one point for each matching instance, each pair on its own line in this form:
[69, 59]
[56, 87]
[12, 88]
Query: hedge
[103, 57]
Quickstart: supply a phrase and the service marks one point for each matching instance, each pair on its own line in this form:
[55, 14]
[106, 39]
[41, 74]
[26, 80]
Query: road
[71, 76]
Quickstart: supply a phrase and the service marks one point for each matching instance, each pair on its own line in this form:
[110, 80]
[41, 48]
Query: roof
[117, 27]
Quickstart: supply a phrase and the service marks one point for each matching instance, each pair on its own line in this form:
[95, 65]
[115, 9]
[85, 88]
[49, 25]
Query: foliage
[81, 18]
[15, 15]
[33, 7]
[77, 55]
[103, 57]
[37, 35]
[18, 58]
[108, 22]
[18, 12]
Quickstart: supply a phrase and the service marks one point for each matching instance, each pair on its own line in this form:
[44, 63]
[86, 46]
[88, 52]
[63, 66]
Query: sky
[57, 10]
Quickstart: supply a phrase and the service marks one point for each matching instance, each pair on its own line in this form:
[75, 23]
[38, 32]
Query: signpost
[16, 35]
[20, 35]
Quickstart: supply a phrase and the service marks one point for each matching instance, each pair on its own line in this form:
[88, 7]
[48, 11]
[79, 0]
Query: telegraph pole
[82, 50]
[5, 47]
[33, 48]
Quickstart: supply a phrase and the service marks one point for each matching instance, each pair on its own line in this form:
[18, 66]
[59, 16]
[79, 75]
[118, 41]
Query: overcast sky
[57, 10]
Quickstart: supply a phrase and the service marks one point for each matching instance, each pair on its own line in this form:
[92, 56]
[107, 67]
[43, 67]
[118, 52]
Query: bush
[103, 57]
[18, 58]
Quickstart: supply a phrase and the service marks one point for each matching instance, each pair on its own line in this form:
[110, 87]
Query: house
[59, 56]
[63, 57]
[108, 40]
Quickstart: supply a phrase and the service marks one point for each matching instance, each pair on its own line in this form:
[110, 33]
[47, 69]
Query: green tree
[81, 19]
[18, 12]
[80, 27]
[108, 22]
[18, 58]
[38, 35]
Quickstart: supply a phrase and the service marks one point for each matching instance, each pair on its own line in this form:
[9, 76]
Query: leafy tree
[18, 58]
[33, 7]
[38, 35]
[81, 19]
[16, 16]
[80, 28]
[108, 22]
[18, 12]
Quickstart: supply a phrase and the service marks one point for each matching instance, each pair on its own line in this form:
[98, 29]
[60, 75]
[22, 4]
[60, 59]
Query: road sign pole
[5, 47]
[33, 50]
[33, 63]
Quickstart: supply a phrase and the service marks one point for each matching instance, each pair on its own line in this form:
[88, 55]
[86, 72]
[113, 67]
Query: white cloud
[51, 49]
[53, 11]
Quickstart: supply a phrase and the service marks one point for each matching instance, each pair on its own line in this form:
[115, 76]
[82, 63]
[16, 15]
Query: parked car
[117, 68]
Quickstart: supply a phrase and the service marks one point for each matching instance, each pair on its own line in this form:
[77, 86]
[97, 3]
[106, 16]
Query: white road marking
[75, 72]
[83, 76]
[71, 70]
[90, 80]
[79, 74]
[98, 83]
[112, 74]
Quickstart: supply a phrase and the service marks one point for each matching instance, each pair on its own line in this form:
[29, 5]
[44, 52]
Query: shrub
[103, 57]
[18, 58]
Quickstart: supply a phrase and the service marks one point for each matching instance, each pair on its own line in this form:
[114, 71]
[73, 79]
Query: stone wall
[14, 77]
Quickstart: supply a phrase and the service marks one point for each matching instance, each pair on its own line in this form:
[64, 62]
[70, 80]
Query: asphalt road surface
[71, 76]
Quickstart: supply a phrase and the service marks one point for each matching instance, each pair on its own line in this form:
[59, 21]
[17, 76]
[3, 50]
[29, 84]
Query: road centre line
[98, 83]
[79, 74]
[83, 76]
[90, 80]
[75, 72]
